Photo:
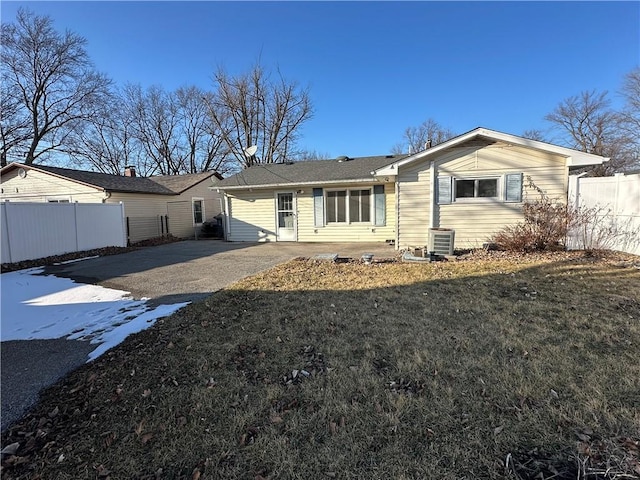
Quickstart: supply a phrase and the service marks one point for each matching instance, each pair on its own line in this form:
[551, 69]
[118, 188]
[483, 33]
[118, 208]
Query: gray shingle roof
[113, 183]
[180, 183]
[313, 171]
[159, 185]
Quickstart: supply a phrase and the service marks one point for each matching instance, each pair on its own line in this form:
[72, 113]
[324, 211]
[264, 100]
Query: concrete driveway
[172, 273]
[192, 270]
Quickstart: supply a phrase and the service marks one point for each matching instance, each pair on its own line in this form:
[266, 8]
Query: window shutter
[379, 205]
[318, 208]
[513, 187]
[444, 190]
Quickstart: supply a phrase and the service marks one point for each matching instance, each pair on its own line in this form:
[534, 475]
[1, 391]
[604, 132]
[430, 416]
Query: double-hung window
[348, 206]
[504, 188]
[477, 188]
[198, 211]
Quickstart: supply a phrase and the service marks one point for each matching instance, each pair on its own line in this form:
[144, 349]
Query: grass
[489, 368]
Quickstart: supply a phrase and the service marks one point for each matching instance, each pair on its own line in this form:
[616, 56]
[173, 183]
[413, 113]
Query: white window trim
[193, 210]
[347, 212]
[499, 188]
[58, 199]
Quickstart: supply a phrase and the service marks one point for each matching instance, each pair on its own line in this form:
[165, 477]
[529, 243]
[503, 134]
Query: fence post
[6, 229]
[616, 202]
[125, 231]
[75, 223]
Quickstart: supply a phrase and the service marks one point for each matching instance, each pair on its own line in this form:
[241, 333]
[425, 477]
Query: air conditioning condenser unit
[441, 240]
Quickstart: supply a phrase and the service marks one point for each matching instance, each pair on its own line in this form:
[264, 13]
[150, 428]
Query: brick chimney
[130, 171]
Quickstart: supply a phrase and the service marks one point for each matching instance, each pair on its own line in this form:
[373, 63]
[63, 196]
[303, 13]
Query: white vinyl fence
[612, 207]
[37, 230]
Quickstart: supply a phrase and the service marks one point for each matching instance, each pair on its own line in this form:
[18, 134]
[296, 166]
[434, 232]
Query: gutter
[291, 185]
[432, 195]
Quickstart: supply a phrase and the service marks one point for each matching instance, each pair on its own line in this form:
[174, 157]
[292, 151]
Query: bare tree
[416, 139]
[631, 93]
[107, 143]
[49, 84]
[14, 126]
[534, 134]
[156, 125]
[203, 139]
[251, 109]
[305, 155]
[587, 123]
[630, 115]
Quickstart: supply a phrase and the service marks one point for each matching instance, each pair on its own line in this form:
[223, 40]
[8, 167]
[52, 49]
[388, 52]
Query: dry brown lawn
[490, 367]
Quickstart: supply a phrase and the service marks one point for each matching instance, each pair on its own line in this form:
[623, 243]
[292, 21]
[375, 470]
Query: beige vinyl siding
[476, 221]
[180, 213]
[143, 212]
[414, 199]
[211, 198]
[142, 204]
[180, 208]
[356, 232]
[252, 216]
[38, 186]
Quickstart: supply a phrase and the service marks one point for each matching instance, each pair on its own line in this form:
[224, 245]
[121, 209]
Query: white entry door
[286, 217]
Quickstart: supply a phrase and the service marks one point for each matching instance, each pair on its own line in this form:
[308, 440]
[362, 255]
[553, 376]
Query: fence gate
[614, 205]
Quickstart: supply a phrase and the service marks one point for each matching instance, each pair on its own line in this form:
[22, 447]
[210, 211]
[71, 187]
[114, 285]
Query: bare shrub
[545, 227]
[549, 224]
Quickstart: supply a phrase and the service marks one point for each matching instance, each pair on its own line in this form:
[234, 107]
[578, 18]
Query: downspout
[397, 202]
[227, 221]
[432, 195]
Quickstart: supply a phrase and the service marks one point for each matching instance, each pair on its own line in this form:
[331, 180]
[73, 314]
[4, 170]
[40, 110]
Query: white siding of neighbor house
[141, 204]
[180, 208]
[144, 213]
[38, 186]
[146, 209]
[143, 209]
[475, 222]
[252, 218]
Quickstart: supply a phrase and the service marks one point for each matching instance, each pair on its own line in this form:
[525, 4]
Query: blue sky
[373, 68]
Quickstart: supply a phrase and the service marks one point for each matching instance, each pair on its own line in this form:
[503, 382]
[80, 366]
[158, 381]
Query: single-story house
[154, 206]
[472, 185]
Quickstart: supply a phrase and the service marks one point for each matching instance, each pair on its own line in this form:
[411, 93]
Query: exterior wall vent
[441, 240]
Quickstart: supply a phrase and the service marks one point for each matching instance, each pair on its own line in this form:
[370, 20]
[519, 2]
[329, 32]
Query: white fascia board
[297, 184]
[585, 159]
[575, 158]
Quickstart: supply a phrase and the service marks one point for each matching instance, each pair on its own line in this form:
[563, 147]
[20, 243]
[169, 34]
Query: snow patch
[37, 306]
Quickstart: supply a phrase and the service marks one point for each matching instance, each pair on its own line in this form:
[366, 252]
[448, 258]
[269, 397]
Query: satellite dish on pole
[251, 151]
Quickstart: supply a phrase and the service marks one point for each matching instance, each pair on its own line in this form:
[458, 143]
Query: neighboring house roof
[180, 183]
[575, 158]
[160, 185]
[340, 170]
